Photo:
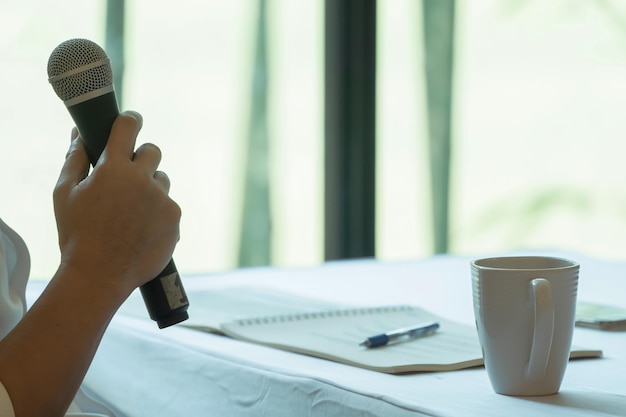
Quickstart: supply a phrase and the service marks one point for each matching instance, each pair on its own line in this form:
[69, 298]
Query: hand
[117, 224]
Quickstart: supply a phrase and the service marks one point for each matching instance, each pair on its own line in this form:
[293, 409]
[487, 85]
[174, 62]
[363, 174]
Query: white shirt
[14, 271]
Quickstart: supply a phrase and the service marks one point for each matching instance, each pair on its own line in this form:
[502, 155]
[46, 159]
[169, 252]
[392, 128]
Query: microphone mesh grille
[71, 55]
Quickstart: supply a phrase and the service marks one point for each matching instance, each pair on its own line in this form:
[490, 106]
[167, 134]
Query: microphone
[80, 73]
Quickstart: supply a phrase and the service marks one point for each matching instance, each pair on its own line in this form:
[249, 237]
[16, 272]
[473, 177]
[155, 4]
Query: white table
[144, 371]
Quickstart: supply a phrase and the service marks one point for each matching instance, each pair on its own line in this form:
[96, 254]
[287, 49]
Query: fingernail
[74, 132]
[136, 115]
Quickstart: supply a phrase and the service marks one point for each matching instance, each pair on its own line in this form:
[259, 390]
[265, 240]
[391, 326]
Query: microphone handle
[164, 296]
[95, 131]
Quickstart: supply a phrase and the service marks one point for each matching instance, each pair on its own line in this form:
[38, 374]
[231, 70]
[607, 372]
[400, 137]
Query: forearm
[44, 359]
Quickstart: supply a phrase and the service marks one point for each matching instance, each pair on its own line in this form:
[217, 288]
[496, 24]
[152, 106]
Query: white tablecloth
[142, 371]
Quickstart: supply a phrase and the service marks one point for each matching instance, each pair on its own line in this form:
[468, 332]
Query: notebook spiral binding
[285, 318]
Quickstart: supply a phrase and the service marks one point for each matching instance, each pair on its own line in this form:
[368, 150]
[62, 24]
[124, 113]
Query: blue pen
[401, 335]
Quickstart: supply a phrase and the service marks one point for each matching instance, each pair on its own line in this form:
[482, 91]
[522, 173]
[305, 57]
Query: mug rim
[488, 263]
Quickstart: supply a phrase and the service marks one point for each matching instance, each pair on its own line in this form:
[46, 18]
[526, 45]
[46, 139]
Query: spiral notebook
[336, 334]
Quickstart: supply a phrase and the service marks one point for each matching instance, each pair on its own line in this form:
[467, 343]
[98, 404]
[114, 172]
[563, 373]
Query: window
[538, 127]
[536, 130]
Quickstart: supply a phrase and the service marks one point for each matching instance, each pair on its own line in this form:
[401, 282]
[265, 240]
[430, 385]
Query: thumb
[76, 166]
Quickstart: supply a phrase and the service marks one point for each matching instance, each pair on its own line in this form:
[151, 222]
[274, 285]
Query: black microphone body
[84, 83]
[94, 119]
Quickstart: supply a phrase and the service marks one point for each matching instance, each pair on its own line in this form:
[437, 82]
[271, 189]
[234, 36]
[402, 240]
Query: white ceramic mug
[524, 308]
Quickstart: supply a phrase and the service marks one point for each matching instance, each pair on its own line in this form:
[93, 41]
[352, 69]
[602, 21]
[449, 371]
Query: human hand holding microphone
[80, 73]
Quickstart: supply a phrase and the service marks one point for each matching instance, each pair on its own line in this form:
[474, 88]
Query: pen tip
[365, 343]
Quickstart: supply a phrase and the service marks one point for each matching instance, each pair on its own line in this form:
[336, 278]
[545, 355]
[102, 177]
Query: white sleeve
[14, 267]
[14, 270]
[6, 406]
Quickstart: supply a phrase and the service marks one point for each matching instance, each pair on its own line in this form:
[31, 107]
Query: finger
[123, 135]
[148, 156]
[163, 180]
[74, 133]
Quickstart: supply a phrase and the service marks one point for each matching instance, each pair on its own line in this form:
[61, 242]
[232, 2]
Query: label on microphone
[173, 291]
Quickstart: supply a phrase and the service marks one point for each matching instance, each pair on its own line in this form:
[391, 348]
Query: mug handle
[541, 296]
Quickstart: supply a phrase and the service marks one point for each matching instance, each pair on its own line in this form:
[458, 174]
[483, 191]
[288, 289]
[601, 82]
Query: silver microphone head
[79, 70]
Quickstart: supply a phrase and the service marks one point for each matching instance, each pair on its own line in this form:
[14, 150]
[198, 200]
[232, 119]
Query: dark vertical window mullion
[350, 114]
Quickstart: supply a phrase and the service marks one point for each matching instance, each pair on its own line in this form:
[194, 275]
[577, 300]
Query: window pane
[296, 35]
[539, 126]
[34, 125]
[403, 193]
[188, 71]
